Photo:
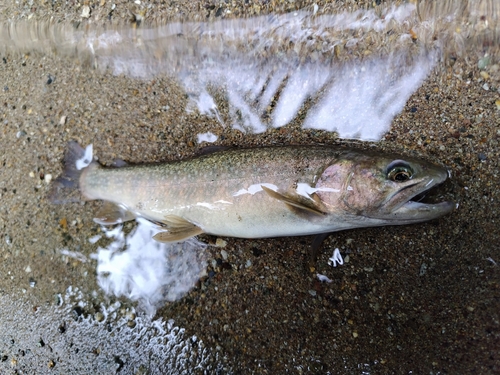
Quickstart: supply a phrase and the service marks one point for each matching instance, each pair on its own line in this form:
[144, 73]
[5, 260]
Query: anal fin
[110, 214]
[178, 229]
[292, 202]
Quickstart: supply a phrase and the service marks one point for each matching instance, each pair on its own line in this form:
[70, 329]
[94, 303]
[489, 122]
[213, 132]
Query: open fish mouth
[428, 201]
[437, 193]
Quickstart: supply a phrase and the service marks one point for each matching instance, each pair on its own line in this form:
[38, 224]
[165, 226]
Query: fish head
[382, 189]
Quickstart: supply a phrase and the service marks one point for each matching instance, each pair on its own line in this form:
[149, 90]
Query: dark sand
[421, 299]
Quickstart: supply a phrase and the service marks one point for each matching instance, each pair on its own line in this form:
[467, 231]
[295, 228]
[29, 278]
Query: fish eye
[399, 171]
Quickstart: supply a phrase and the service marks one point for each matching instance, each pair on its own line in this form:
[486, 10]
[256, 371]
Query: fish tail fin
[65, 188]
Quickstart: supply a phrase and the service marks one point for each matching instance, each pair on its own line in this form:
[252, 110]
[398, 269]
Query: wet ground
[421, 299]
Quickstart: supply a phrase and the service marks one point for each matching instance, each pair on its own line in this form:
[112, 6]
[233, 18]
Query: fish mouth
[421, 201]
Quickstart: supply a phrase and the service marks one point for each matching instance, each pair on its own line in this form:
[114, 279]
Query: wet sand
[421, 299]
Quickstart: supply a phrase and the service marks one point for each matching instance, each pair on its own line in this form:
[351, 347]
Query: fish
[274, 191]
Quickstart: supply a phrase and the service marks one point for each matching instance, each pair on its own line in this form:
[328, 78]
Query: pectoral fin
[292, 202]
[178, 229]
[110, 214]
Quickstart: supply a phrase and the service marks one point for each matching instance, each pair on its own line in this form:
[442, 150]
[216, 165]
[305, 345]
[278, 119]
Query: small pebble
[423, 269]
[219, 242]
[482, 157]
[94, 239]
[224, 254]
[63, 223]
[483, 63]
[99, 316]
[85, 11]
[131, 316]
[48, 178]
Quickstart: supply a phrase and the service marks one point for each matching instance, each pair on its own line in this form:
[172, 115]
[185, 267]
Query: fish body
[262, 192]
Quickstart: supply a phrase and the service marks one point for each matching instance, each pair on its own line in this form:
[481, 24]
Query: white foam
[336, 258]
[86, 159]
[263, 89]
[323, 278]
[144, 270]
[362, 99]
[305, 82]
[357, 99]
[206, 137]
[95, 238]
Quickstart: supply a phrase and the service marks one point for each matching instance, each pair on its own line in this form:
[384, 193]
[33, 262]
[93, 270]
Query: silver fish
[260, 192]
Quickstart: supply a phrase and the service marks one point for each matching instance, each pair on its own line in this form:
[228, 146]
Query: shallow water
[420, 298]
[270, 67]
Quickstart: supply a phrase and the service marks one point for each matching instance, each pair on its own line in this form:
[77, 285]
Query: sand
[420, 299]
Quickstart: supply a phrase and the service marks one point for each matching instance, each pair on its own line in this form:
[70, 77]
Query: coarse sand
[423, 299]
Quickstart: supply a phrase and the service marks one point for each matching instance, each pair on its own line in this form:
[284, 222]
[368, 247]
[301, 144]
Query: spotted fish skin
[263, 192]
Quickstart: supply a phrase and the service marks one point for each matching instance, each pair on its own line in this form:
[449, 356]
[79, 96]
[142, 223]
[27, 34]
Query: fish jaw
[416, 212]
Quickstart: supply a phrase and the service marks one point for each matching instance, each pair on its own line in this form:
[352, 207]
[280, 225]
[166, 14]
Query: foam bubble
[206, 137]
[86, 159]
[142, 269]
